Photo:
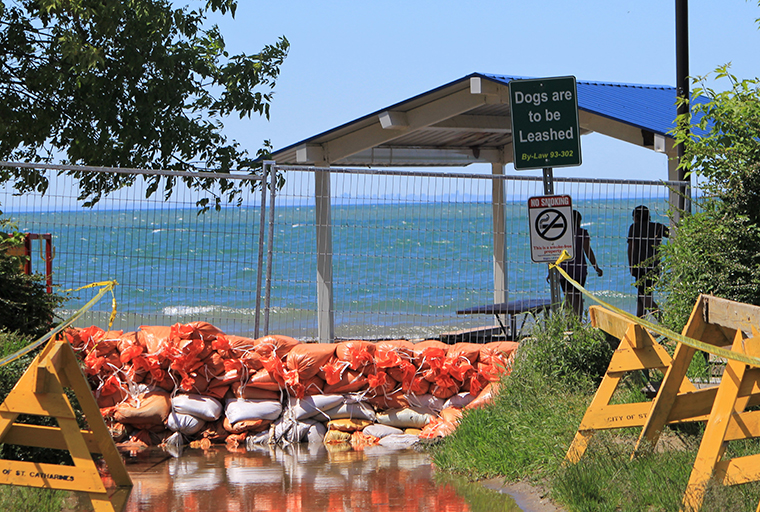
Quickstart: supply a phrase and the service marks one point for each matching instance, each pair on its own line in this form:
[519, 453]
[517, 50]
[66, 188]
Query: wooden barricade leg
[637, 351]
[665, 400]
[40, 392]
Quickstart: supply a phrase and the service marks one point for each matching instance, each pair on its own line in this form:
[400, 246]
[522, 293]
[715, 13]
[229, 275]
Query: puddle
[302, 478]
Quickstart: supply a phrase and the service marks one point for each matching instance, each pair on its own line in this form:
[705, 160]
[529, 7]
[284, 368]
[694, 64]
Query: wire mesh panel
[410, 249]
[172, 263]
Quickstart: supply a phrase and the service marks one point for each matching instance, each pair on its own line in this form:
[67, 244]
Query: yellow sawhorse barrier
[40, 392]
[728, 421]
[677, 400]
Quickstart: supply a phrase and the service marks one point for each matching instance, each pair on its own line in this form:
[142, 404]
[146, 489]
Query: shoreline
[529, 497]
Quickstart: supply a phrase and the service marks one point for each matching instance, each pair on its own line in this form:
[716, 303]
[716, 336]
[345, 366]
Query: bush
[565, 350]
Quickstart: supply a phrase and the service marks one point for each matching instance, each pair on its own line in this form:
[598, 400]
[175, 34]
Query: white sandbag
[204, 407]
[429, 403]
[316, 433]
[353, 411]
[256, 440]
[313, 406]
[289, 430]
[399, 441]
[184, 423]
[380, 431]
[241, 409]
[404, 418]
[459, 401]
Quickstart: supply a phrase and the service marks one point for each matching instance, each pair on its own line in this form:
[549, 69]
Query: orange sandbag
[443, 391]
[437, 427]
[404, 373]
[501, 350]
[313, 386]
[485, 397]
[469, 351]
[153, 337]
[213, 364]
[308, 358]
[244, 348]
[381, 383]
[358, 353]
[241, 391]
[396, 400]
[451, 414]
[204, 330]
[422, 355]
[246, 426]
[263, 380]
[84, 339]
[275, 344]
[389, 354]
[360, 440]
[349, 381]
[148, 409]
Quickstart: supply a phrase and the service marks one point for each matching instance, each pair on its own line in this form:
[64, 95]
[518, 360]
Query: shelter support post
[500, 293]
[325, 319]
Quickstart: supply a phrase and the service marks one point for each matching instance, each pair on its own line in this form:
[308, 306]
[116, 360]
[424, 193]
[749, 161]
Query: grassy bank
[524, 435]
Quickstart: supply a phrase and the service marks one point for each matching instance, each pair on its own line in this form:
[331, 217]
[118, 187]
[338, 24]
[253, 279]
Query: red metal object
[47, 256]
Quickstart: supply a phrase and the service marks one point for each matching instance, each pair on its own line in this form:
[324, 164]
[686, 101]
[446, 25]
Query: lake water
[301, 478]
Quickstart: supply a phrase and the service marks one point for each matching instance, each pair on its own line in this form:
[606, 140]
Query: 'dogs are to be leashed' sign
[551, 227]
[545, 131]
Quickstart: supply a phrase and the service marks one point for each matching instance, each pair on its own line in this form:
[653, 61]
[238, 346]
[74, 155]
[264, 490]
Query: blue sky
[351, 58]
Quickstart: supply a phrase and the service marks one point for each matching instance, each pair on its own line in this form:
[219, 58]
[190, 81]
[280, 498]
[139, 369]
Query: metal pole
[682, 89]
[260, 266]
[270, 246]
[554, 287]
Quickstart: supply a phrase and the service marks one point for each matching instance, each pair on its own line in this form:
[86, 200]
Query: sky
[351, 58]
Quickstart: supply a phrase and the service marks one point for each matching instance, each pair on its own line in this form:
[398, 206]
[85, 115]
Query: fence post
[500, 289]
[260, 262]
[326, 325]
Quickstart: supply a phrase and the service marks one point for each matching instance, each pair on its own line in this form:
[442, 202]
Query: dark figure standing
[576, 267]
[644, 239]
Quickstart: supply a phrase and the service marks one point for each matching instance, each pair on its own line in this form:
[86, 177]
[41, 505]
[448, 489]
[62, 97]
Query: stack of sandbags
[178, 377]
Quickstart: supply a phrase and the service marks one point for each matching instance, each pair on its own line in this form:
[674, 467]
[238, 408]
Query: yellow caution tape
[690, 342]
[105, 286]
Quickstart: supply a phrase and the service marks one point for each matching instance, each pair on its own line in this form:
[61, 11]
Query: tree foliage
[125, 83]
[717, 249]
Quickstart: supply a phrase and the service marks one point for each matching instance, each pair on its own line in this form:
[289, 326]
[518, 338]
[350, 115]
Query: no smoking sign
[551, 227]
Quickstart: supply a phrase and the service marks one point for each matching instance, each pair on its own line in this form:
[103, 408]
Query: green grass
[525, 433]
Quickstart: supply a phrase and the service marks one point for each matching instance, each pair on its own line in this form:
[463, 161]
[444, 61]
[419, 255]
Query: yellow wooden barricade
[40, 392]
[713, 321]
[728, 421]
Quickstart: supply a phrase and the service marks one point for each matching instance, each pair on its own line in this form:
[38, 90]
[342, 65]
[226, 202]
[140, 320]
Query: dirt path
[529, 498]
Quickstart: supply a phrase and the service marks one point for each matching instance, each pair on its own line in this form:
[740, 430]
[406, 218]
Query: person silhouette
[644, 239]
[576, 267]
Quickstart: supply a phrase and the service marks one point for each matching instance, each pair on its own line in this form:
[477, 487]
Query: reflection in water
[299, 478]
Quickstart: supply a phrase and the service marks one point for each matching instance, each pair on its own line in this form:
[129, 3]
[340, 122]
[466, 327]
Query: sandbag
[308, 358]
[313, 406]
[206, 408]
[350, 381]
[275, 344]
[500, 350]
[241, 391]
[404, 418]
[316, 433]
[239, 427]
[153, 337]
[336, 437]
[468, 351]
[399, 441]
[358, 354]
[390, 353]
[426, 403]
[240, 409]
[355, 410]
[425, 350]
[184, 423]
[289, 430]
[348, 425]
[485, 397]
[380, 431]
[459, 400]
[151, 409]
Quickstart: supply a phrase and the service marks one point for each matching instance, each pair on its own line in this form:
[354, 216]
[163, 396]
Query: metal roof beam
[420, 117]
[482, 124]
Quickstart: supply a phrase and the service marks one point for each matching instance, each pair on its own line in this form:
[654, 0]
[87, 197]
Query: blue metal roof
[651, 107]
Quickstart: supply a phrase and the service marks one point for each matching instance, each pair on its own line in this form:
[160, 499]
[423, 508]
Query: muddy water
[301, 478]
